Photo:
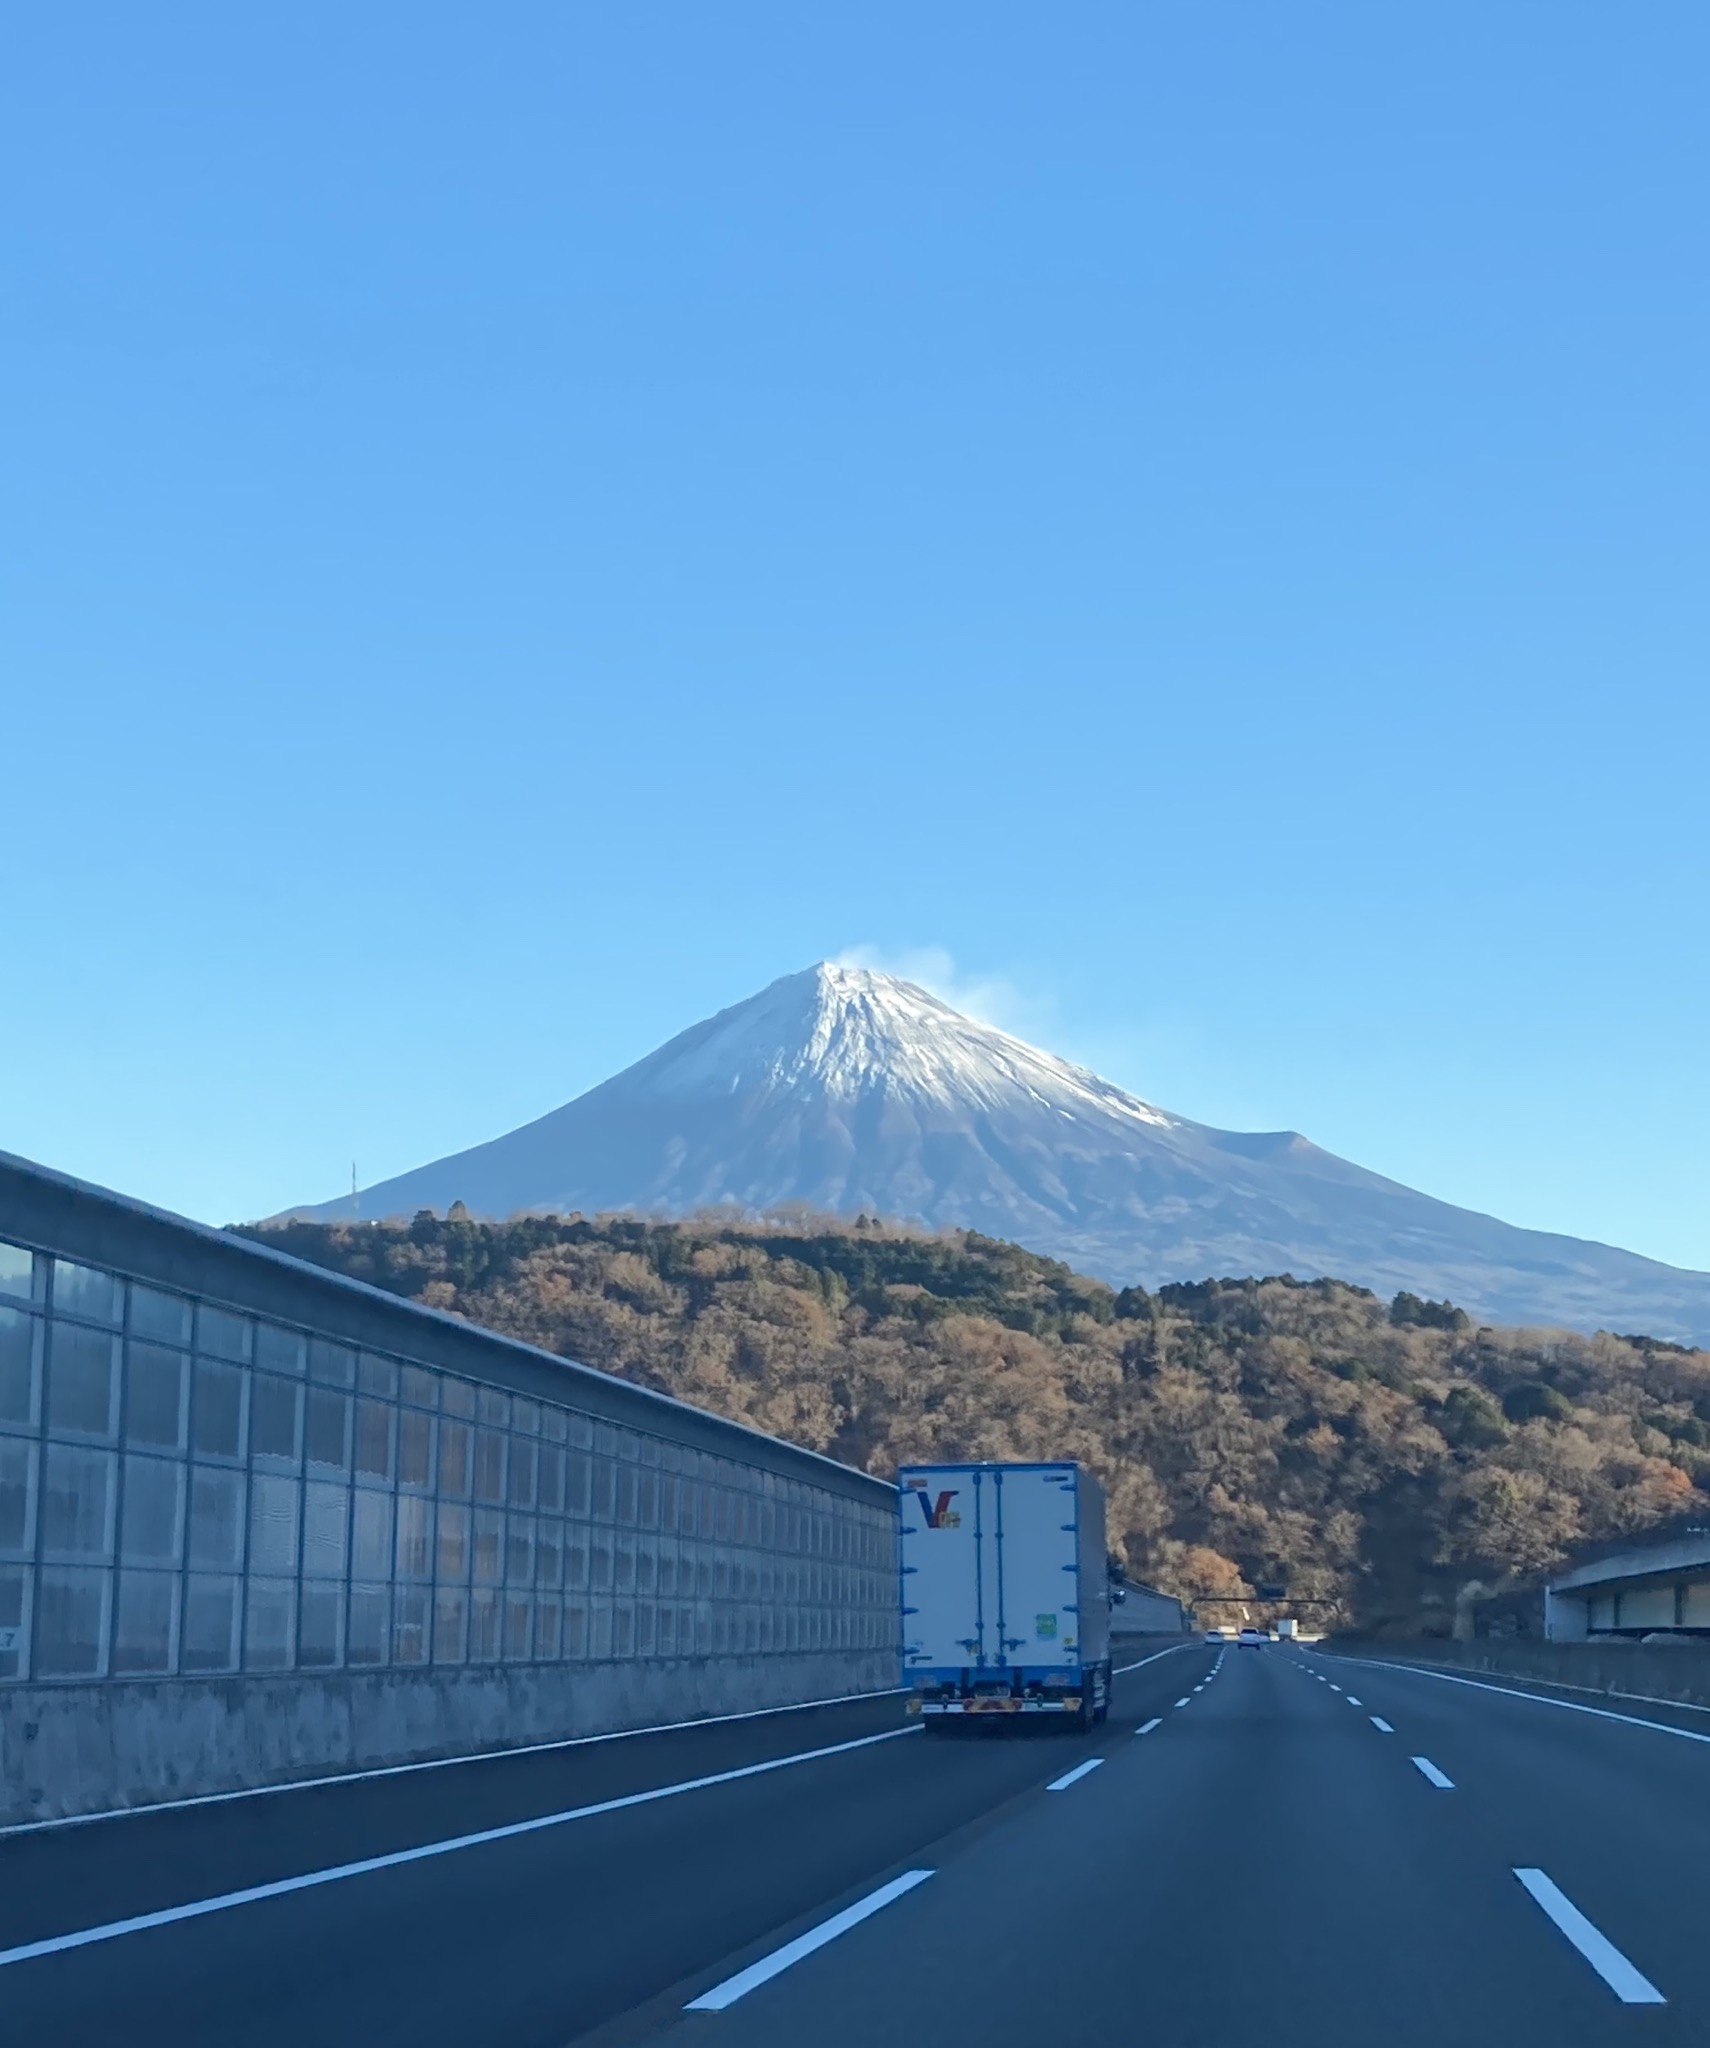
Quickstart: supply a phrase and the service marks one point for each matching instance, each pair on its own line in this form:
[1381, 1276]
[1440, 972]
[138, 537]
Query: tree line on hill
[1379, 1458]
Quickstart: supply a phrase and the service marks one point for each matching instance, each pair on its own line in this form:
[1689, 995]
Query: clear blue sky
[520, 525]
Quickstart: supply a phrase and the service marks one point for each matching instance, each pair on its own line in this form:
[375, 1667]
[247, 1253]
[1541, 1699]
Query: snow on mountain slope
[842, 1089]
[850, 1032]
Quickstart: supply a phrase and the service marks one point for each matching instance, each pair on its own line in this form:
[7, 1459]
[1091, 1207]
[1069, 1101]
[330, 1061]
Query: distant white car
[1217, 1636]
[1250, 1638]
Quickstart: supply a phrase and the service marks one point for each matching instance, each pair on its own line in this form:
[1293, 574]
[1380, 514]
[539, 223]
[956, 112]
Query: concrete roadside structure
[1651, 1589]
[1143, 1610]
[261, 1522]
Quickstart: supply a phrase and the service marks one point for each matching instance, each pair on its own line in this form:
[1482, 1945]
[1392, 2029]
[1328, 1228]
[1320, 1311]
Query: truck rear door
[946, 1624]
[1036, 1556]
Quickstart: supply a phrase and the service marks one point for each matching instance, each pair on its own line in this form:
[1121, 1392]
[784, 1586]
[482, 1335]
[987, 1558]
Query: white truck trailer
[1005, 1591]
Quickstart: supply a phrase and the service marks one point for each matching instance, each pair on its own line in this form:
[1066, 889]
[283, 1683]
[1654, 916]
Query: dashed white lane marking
[1335, 1688]
[1149, 1726]
[1349, 1697]
[1629, 1985]
[1069, 1778]
[112, 1929]
[780, 1959]
[1427, 1768]
[1184, 1702]
[1381, 1725]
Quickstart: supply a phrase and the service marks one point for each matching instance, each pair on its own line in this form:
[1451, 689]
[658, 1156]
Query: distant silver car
[1217, 1636]
[1250, 1638]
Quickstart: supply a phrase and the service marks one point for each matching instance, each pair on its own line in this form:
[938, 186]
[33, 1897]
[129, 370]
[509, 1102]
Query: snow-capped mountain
[842, 1089]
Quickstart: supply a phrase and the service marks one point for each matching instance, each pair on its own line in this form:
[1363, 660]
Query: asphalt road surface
[1263, 1846]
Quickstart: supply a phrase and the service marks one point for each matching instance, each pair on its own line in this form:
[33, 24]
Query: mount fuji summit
[842, 1090]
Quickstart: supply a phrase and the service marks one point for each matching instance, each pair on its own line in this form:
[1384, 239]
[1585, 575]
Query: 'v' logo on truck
[937, 1512]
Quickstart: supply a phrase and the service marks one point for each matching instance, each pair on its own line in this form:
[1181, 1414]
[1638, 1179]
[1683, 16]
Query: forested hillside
[1380, 1455]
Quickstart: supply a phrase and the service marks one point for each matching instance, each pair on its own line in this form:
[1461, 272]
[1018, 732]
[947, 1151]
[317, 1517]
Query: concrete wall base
[67, 1749]
[1126, 1643]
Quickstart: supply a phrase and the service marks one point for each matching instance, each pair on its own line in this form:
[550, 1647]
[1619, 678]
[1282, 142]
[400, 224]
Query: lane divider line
[450, 1763]
[1540, 1699]
[1380, 1724]
[1183, 1703]
[1335, 1688]
[1069, 1778]
[1629, 1985]
[1349, 1697]
[1122, 1670]
[1428, 1769]
[111, 1930]
[739, 1986]
[1150, 1725]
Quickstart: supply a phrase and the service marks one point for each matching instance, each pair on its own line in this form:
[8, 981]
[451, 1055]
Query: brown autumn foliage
[1374, 1456]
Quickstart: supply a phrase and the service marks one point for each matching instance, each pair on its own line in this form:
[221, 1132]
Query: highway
[1263, 1845]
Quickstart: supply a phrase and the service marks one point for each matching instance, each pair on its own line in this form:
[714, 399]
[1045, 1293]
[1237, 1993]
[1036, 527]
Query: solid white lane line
[1181, 1703]
[1069, 1778]
[1380, 1724]
[1539, 1699]
[1427, 1768]
[780, 1959]
[1631, 1986]
[448, 1763]
[112, 1929]
[1122, 1670]
[1149, 1726]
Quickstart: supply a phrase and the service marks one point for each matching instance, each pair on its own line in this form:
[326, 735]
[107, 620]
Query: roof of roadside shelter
[1686, 1556]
